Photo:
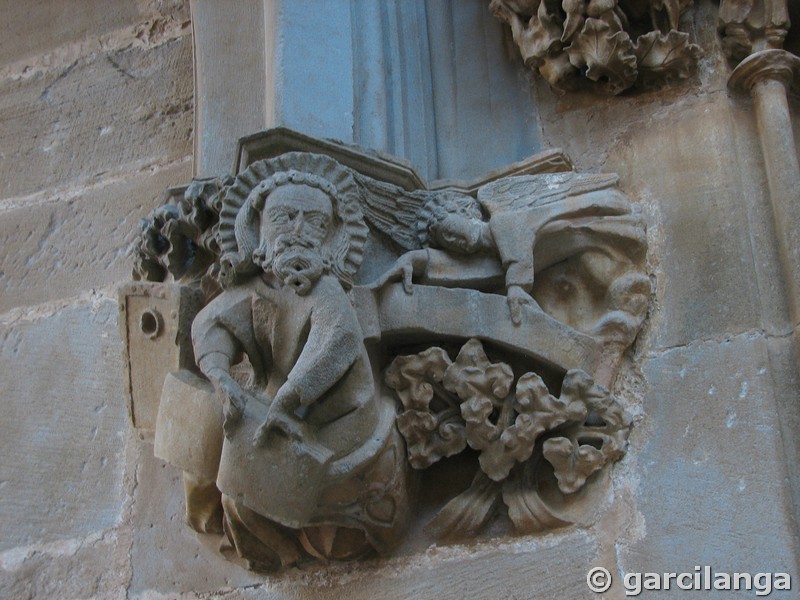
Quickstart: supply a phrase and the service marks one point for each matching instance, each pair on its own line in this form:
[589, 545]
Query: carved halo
[349, 233]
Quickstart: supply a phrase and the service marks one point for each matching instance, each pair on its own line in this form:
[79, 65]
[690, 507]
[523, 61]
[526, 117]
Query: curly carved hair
[440, 204]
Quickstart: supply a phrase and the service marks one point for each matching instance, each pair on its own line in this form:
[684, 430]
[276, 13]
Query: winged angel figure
[568, 245]
[519, 226]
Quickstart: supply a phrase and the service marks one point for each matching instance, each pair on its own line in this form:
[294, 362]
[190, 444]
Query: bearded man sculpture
[479, 335]
[311, 465]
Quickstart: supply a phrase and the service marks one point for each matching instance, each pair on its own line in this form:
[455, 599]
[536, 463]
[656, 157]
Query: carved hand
[516, 297]
[281, 416]
[404, 269]
[233, 397]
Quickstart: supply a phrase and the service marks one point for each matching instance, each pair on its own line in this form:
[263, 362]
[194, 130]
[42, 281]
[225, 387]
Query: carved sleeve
[334, 343]
[213, 338]
[515, 241]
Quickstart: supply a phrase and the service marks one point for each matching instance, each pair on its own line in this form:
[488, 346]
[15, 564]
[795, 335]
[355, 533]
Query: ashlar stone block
[713, 485]
[106, 112]
[62, 432]
[57, 249]
[41, 26]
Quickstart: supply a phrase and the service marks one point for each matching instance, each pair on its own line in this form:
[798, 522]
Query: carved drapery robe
[345, 469]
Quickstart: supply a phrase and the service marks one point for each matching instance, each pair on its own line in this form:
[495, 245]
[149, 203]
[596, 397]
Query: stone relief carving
[603, 45]
[748, 26]
[351, 335]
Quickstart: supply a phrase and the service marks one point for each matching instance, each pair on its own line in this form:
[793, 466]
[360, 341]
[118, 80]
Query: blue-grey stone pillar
[425, 80]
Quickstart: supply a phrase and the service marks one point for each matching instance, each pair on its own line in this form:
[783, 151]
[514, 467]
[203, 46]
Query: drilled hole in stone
[150, 323]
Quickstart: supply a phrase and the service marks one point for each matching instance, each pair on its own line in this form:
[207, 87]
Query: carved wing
[393, 211]
[533, 191]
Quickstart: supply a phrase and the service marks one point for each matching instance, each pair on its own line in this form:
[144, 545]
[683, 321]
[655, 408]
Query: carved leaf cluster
[665, 57]
[431, 433]
[606, 54]
[448, 405]
[177, 240]
[588, 43]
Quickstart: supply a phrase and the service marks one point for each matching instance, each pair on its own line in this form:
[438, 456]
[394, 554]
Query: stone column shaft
[767, 75]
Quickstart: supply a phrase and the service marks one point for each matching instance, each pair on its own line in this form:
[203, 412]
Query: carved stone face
[296, 215]
[458, 232]
[294, 226]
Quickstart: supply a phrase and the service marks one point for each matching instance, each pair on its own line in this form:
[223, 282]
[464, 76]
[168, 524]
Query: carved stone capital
[603, 46]
[767, 65]
[747, 26]
[351, 325]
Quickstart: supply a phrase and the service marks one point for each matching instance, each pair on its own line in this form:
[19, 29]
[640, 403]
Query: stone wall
[96, 120]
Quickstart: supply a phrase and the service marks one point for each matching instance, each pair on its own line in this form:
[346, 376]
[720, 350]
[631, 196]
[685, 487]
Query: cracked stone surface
[121, 109]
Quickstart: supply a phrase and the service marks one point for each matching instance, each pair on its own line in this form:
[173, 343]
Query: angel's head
[455, 222]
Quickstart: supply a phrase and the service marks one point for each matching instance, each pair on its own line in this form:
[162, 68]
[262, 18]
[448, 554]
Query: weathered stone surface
[40, 25]
[86, 568]
[769, 279]
[748, 26]
[305, 452]
[376, 90]
[786, 382]
[713, 486]
[529, 568]
[57, 249]
[588, 129]
[63, 417]
[166, 555]
[104, 112]
[605, 44]
[698, 222]
[546, 568]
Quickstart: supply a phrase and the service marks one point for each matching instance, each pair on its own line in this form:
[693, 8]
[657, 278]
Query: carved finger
[233, 411]
[516, 310]
[232, 418]
[408, 274]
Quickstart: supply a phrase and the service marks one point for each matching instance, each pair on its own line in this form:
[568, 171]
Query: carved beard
[295, 260]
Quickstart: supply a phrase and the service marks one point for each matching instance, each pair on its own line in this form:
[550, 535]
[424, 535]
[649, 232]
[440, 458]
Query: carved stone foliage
[348, 334]
[747, 26]
[515, 423]
[178, 241]
[604, 45]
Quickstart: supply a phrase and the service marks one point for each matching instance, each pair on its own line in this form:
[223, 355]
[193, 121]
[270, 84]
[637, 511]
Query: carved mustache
[285, 244]
[294, 240]
[299, 268]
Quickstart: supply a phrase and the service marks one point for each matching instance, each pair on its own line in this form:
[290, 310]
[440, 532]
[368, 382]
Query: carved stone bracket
[350, 327]
[603, 45]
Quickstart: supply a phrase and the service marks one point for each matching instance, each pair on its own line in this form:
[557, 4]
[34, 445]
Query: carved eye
[317, 220]
[279, 217]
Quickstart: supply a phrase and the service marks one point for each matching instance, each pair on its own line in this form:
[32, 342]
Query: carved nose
[297, 226]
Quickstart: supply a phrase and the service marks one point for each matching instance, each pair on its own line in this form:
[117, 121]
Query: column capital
[773, 64]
